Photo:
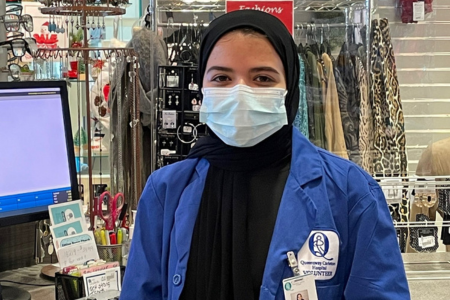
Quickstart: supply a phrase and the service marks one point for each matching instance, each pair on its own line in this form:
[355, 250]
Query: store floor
[428, 277]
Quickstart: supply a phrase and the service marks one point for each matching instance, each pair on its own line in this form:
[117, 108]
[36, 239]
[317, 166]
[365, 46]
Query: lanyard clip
[293, 264]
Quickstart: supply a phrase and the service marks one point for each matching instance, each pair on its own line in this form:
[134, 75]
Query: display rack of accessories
[13, 40]
[83, 22]
[104, 109]
[178, 125]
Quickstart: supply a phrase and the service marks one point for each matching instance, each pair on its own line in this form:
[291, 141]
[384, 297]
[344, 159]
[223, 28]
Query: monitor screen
[37, 163]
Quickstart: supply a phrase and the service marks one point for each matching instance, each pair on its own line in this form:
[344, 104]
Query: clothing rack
[413, 181]
[415, 224]
[175, 25]
[306, 5]
[316, 26]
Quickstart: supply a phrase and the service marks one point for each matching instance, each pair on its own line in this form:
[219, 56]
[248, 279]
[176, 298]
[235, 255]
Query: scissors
[113, 210]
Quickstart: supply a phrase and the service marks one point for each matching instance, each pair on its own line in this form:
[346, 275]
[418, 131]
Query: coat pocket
[329, 292]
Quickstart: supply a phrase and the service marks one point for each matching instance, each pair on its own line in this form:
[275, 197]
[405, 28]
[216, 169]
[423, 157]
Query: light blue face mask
[243, 116]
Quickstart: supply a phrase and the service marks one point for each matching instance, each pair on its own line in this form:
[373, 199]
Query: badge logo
[319, 245]
[288, 286]
[319, 255]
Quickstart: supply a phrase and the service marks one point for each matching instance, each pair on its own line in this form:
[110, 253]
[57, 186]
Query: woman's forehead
[237, 45]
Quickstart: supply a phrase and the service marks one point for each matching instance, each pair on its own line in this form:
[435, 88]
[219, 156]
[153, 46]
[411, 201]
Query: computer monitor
[37, 162]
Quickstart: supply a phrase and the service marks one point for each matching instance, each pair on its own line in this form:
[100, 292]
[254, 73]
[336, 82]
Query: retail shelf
[86, 176]
[94, 155]
[219, 6]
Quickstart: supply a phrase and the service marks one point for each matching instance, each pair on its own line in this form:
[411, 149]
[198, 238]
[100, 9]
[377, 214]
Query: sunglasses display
[12, 22]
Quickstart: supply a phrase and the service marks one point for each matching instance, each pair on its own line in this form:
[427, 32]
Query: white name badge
[319, 255]
[300, 288]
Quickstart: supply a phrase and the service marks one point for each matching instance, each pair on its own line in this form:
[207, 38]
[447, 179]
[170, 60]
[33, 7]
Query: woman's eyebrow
[264, 69]
[219, 68]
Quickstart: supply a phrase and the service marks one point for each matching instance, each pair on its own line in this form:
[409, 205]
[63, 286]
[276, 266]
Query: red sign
[283, 10]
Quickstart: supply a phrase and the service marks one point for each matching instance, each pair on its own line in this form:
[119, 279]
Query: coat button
[176, 279]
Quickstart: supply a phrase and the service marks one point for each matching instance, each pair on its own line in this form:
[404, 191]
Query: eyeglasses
[13, 70]
[20, 46]
[14, 9]
[12, 22]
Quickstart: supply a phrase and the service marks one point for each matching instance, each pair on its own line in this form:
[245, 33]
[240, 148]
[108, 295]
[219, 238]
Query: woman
[220, 224]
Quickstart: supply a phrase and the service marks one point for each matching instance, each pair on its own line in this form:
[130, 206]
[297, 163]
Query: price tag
[77, 254]
[419, 11]
[392, 193]
[169, 119]
[102, 281]
[427, 241]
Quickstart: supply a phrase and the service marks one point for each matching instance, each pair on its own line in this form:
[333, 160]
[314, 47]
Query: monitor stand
[13, 293]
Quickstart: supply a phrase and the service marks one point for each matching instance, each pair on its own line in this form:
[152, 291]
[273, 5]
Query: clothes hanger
[176, 48]
[315, 45]
[322, 45]
[327, 43]
[300, 48]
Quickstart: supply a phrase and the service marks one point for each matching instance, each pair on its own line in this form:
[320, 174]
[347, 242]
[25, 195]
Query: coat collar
[306, 156]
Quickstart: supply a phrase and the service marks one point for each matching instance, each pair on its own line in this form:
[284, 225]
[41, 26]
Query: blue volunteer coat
[323, 194]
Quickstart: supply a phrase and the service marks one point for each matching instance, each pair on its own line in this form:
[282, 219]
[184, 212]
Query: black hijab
[218, 266]
[276, 146]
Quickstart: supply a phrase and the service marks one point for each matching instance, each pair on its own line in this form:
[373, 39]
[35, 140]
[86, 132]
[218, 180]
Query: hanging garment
[389, 133]
[444, 202]
[445, 232]
[301, 119]
[365, 120]
[351, 124]
[347, 124]
[152, 52]
[323, 90]
[334, 133]
[318, 136]
[362, 54]
[389, 140]
[309, 96]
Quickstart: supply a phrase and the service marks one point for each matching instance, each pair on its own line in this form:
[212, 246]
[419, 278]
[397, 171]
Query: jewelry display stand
[85, 12]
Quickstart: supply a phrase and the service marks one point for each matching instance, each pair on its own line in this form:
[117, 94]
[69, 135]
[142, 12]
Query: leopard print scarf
[389, 132]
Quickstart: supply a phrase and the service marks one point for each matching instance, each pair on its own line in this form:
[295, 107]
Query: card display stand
[68, 287]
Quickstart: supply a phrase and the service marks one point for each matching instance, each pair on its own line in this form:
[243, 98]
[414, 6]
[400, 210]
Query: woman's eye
[263, 79]
[220, 78]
